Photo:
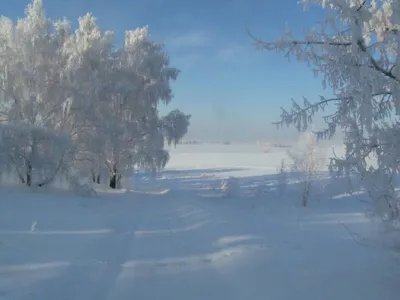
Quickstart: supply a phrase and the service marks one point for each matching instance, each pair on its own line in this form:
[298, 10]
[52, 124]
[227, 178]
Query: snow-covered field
[176, 238]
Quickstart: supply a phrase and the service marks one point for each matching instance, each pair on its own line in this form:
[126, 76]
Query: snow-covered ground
[176, 238]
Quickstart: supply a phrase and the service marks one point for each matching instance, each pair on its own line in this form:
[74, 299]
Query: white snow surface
[177, 238]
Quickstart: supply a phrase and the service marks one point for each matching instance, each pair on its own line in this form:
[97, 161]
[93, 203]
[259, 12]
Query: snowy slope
[176, 239]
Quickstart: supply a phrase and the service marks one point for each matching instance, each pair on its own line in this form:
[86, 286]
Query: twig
[352, 234]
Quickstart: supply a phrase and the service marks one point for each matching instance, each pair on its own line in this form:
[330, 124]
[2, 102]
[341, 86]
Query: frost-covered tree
[174, 126]
[355, 50]
[73, 104]
[170, 129]
[307, 161]
[33, 92]
[139, 79]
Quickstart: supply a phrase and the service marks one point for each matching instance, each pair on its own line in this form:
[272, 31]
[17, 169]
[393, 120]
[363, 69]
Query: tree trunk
[29, 174]
[115, 180]
[95, 178]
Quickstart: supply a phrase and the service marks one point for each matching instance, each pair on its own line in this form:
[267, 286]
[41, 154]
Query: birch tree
[73, 104]
[355, 50]
[32, 96]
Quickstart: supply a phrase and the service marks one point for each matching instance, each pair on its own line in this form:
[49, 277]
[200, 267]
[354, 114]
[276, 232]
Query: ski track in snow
[185, 244]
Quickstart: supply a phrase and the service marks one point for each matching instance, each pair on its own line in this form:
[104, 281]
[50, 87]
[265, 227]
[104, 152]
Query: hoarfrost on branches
[307, 161]
[356, 52]
[74, 105]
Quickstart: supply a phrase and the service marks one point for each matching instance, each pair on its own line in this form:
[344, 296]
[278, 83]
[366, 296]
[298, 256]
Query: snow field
[177, 238]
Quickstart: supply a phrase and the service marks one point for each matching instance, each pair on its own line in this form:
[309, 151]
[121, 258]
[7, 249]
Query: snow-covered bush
[74, 101]
[307, 161]
[355, 51]
[230, 187]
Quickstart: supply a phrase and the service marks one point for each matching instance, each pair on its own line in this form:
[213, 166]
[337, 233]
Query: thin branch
[303, 110]
[17, 101]
[321, 103]
[356, 238]
[298, 42]
[17, 170]
[375, 63]
[361, 6]
[49, 179]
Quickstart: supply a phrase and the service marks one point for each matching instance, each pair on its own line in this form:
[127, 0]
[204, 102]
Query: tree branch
[361, 5]
[297, 42]
[376, 65]
[306, 109]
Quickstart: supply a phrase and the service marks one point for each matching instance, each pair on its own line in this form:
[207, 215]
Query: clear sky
[232, 90]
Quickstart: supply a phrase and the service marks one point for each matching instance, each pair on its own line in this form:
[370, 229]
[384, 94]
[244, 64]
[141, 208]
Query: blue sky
[232, 90]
